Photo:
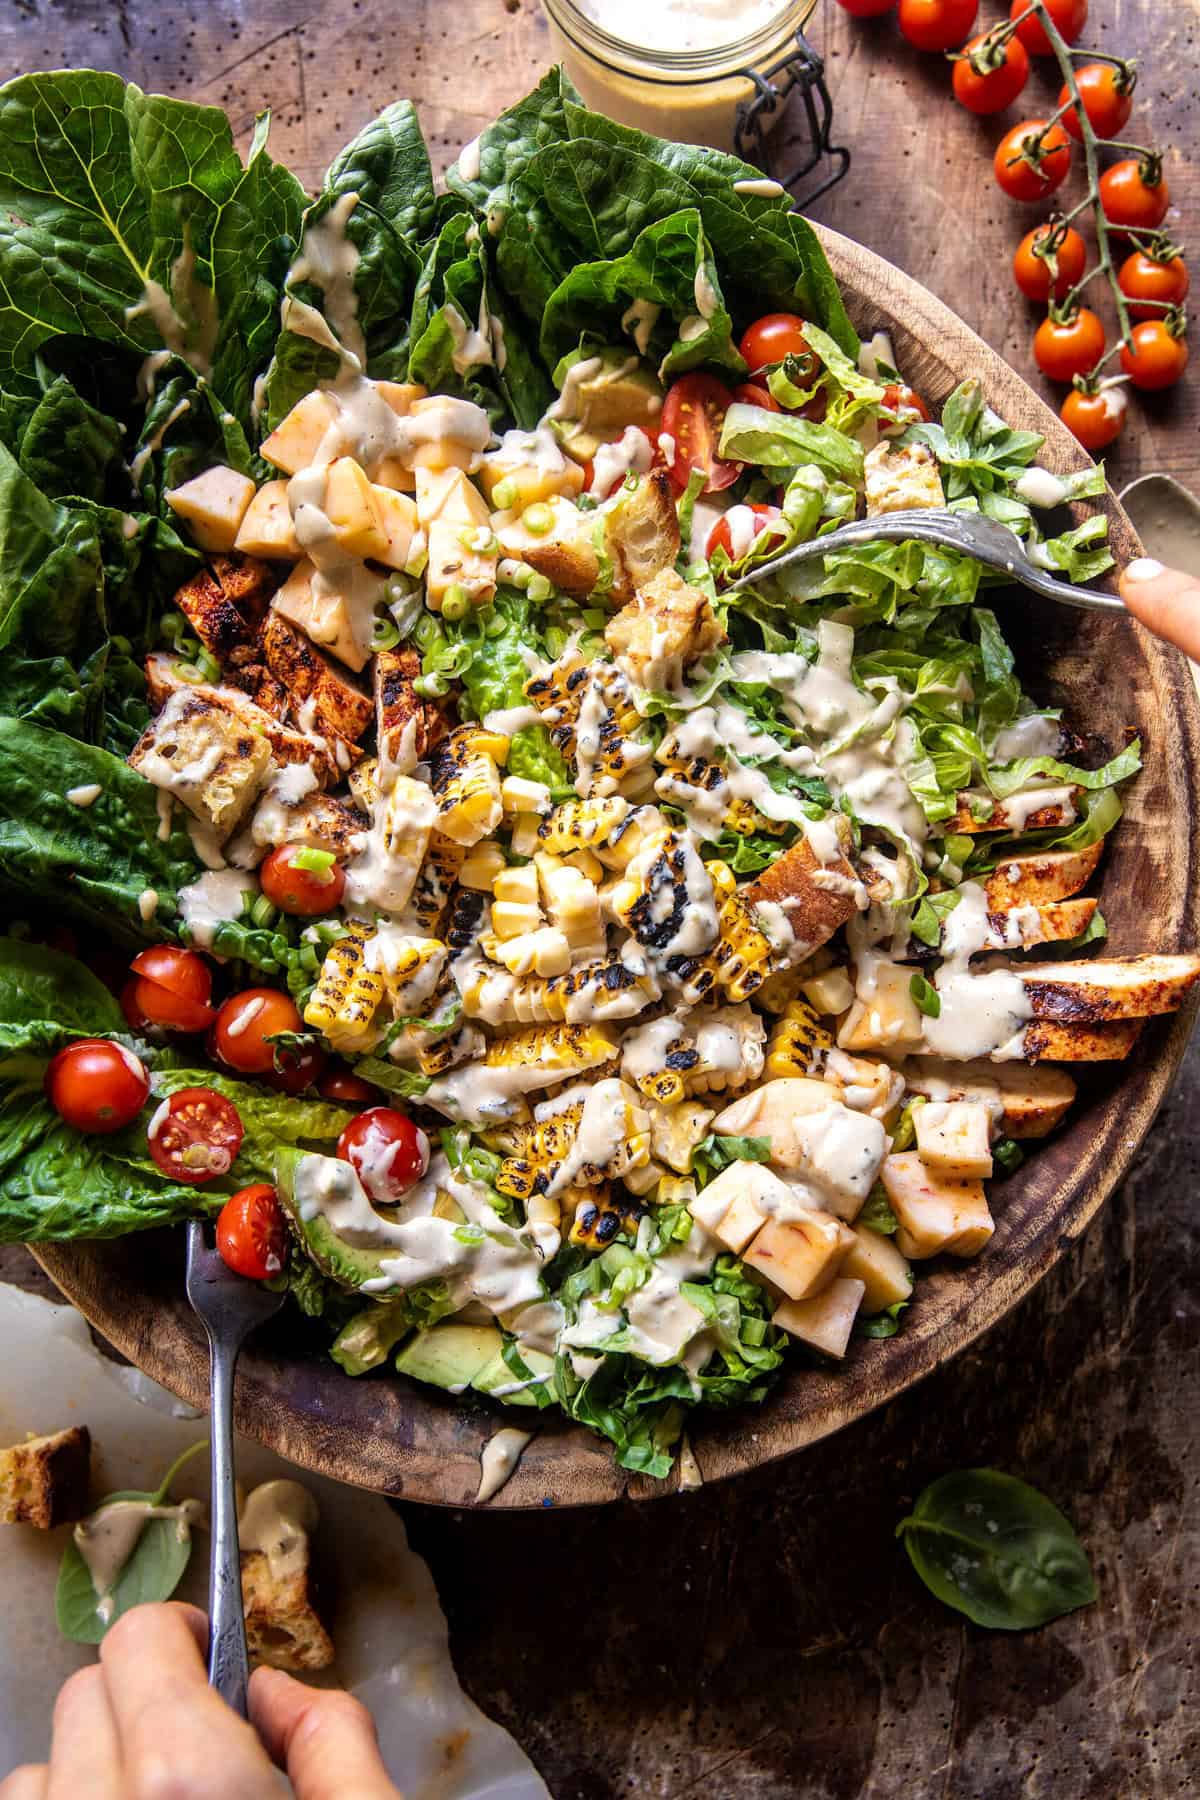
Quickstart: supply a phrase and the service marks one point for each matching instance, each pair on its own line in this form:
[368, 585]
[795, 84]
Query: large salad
[578, 985]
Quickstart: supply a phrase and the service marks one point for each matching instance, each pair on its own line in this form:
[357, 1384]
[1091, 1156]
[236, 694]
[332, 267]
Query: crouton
[900, 477]
[203, 750]
[407, 726]
[666, 627]
[1040, 880]
[44, 1481]
[817, 898]
[641, 535]
[283, 1628]
[338, 705]
[1127, 987]
[1025, 1102]
[564, 553]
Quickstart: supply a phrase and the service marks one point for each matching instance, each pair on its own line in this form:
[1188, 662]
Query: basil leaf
[995, 1549]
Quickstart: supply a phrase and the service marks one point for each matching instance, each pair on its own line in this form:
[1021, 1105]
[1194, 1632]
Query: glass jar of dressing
[676, 68]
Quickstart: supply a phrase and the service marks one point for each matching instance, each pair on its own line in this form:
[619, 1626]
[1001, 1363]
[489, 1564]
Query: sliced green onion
[539, 588]
[556, 640]
[385, 634]
[504, 495]
[426, 632]
[313, 862]
[456, 602]
[538, 518]
[262, 913]
[431, 687]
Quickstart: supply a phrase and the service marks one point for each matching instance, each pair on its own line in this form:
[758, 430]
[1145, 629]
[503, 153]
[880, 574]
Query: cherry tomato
[1069, 16]
[1031, 273]
[907, 406]
[866, 9]
[244, 1024]
[346, 1089]
[692, 414]
[294, 889]
[722, 533]
[1107, 101]
[750, 394]
[1157, 358]
[995, 88]
[387, 1152]
[1022, 179]
[771, 338]
[936, 24]
[96, 1086]
[1096, 419]
[296, 1070]
[172, 989]
[1129, 199]
[1143, 277]
[252, 1232]
[1064, 349]
[195, 1135]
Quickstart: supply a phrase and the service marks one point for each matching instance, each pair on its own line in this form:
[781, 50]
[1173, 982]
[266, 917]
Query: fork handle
[228, 1664]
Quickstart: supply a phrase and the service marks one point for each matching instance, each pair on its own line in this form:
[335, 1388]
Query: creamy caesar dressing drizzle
[498, 1460]
[630, 455]
[1032, 735]
[1038, 487]
[601, 1133]
[186, 318]
[982, 1013]
[107, 1539]
[155, 441]
[277, 1520]
[473, 346]
[328, 259]
[638, 321]
[1018, 809]
[760, 185]
[84, 796]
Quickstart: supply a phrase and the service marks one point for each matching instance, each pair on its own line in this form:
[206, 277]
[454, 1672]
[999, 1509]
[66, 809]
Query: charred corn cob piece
[658, 1058]
[606, 989]
[538, 1143]
[572, 905]
[780, 989]
[464, 921]
[798, 1044]
[466, 783]
[662, 890]
[439, 1051]
[684, 778]
[553, 1051]
[600, 1219]
[582, 824]
[676, 1190]
[631, 834]
[544, 951]
[348, 994]
[434, 884]
[729, 1045]
[741, 958]
[558, 693]
[593, 700]
[540, 1167]
[411, 968]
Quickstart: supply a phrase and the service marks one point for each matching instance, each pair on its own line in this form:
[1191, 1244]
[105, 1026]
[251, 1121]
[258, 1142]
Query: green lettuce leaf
[777, 440]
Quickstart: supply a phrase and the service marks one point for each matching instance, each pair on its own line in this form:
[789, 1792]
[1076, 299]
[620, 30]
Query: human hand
[1165, 600]
[143, 1724]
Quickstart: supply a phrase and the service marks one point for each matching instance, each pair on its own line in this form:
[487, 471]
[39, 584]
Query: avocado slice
[607, 403]
[365, 1341]
[450, 1356]
[348, 1264]
[497, 1374]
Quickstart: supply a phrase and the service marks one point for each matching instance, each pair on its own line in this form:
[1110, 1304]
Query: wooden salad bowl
[1109, 675]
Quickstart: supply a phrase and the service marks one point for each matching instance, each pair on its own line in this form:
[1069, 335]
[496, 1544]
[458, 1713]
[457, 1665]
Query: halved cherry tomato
[1069, 17]
[771, 338]
[347, 1089]
[172, 988]
[995, 88]
[1095, 419]
[1107, 100]
[1144, 278]
[304, 893]
[749, 393]
[1129, 198]
[936, 24]
[244, 1024]
[252, 1232]
[906, 404]
[295, 1071]
[1046, 167]
[722, 531]
[387, 1152]
[1066, 348]
[96, 1086]
[1156, 358]
[195, 1135]
[1030, 272]
[693, 413]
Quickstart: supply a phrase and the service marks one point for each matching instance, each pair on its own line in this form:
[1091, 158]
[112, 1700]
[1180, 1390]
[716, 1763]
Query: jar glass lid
[682, 27]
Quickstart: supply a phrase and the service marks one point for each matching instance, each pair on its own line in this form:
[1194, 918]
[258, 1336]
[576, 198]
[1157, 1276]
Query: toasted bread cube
[826, 1321]
[738, 1201]
[324, 617]
[352, 510]
[398, 517]
[955, 1137]
[214, 505]
[935, 1212]
[898, 477]
[296, 439]
[885, 1016]
[666, 627]
[802, 1255]
[563, 553]
[797, 881]
[881, 1267]
[283, 1628]
[206, 754]
[461, 546]
[44, 1481]
[641, 534]
[266, 528]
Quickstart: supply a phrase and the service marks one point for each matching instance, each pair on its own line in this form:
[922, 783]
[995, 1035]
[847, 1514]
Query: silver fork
[231, 1308]
[985, 539]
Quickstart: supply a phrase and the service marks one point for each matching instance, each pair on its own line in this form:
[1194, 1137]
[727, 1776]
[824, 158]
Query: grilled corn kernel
[435, 880]
[348, 994]
[556, 1049]
[606, 989]
[519, 795]
[466, 783]
[676, 1190]
[600, 1219]
[543, 951]
[582, 824]
[798, 1044]
[481, 865]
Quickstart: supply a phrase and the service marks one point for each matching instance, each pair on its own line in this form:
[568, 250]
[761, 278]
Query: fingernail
[1142, 568]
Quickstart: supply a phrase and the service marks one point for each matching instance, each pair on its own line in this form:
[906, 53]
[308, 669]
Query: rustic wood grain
[764, 1639]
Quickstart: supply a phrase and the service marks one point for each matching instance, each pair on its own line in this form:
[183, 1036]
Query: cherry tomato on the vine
[1157, 356]
[771, 338]
[750, 393]
[1032, 160]
[1064, 348]
[866, 9]
[906, 404]
[245, 1023]
[936, 24]
[1144, 277]
[1031, 273]
[1107, 100]
[195, 1135]
[723, 531]
[252, 1232]
[295, 1071]
[1129, 198]
[301, 882]
[96, 1086]
[995, 88]
[1069, 17]
[693, 413]
[387, 1152]
[347, 1089]
[171, 988]
[1095, 419]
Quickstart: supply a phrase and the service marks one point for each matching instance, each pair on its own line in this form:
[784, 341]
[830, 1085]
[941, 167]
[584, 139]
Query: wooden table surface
[766, 1638]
